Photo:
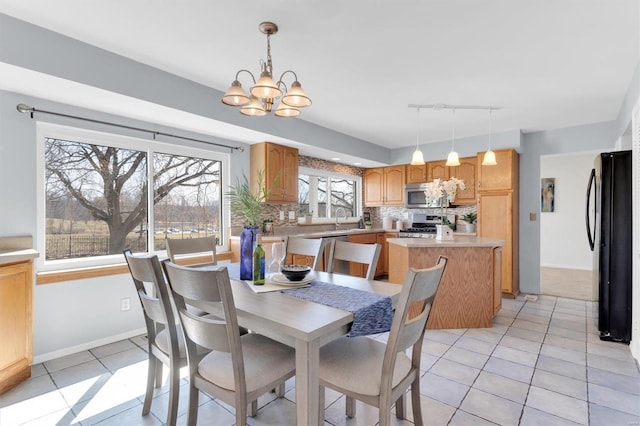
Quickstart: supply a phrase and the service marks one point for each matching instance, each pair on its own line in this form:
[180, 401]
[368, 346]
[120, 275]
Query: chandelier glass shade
[265, 92]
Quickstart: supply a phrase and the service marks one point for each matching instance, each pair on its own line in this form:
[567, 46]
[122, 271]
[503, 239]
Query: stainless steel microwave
[416, 199]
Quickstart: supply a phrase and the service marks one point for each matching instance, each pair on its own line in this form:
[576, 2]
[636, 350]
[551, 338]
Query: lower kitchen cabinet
[16, 323]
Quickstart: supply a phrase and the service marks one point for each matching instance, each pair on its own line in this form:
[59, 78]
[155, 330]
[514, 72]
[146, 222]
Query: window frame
[335, 175]
[82, 135]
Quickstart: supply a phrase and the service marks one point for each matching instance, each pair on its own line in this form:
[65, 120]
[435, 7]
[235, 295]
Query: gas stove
[423, 226]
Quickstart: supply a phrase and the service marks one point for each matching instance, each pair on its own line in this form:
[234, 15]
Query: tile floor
[540, 364]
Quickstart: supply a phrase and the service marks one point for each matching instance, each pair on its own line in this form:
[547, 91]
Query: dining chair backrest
[163, 335]
[221, 334]
[306, 247]
[367, 254]
[419, 289]
[179, 247]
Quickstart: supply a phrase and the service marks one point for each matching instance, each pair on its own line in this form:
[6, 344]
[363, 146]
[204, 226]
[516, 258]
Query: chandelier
[265, 92]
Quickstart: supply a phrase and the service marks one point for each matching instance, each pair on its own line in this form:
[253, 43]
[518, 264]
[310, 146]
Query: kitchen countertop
[458, 241]
[327, 233]
[16, 249]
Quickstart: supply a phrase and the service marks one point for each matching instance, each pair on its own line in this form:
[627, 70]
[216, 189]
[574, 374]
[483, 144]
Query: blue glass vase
[247, 244]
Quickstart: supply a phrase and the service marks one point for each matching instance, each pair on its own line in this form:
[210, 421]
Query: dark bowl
[295, 272]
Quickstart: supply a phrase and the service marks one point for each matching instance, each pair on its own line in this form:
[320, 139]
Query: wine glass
[278, 254]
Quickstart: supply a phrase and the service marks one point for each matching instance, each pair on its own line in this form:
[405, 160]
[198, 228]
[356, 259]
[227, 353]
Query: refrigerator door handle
[590, 186]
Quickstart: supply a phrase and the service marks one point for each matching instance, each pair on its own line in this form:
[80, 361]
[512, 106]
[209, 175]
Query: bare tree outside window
[96, 196]
[324, 194]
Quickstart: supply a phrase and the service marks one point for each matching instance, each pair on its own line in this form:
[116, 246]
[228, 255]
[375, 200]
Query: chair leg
[280, 389]
[174, 393]
[158, 374]
[151, 377]
[350, 408]
[194, 395]
[401, 407]
[241, 413]
[415, 402]
[253, 410]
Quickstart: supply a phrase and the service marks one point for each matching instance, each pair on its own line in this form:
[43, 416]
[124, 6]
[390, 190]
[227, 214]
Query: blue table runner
[372, 312]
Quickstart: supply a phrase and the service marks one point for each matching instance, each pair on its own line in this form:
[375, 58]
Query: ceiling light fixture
[266, 91]
[452, 158]
[489, 158]
[417, 159]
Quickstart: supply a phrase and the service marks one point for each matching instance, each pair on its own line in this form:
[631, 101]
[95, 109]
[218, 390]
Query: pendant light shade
[453, 159]
[489, 158]
[417, 159]
[265, 87]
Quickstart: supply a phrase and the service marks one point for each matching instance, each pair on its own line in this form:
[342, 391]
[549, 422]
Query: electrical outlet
[292, 215]
[281, 214]
[125, 304]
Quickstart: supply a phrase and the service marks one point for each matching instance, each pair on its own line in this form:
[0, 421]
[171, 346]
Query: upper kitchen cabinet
[437, 170]
[467, 172]
[502, 176]
[417, 174]
[280, 165]
[384, 186]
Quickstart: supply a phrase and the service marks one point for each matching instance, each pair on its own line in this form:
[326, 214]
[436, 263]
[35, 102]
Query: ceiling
[548, 64]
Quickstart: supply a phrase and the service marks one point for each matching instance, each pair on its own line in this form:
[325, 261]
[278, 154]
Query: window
[96, 201]
[324, 193]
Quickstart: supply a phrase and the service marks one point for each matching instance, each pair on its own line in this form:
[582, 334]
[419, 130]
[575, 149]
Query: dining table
[301, 324]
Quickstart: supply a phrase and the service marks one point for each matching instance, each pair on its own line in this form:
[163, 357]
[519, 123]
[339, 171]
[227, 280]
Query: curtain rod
[27, 109]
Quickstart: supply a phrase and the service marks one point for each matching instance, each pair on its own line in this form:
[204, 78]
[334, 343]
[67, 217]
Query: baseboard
[86, 346]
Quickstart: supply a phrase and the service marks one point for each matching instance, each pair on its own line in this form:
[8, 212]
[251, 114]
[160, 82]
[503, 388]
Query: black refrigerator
[609, 229]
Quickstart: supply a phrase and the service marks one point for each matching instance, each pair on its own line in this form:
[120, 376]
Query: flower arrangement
[443, 188]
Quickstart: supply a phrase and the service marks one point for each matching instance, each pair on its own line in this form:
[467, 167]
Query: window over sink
[327, 194]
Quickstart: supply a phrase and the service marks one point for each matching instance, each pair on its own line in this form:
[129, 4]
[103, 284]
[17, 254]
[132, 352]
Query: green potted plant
[470, 219]
[367, 225]
[267, 226]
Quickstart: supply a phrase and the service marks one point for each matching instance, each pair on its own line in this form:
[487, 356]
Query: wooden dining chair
[367, 254]
[238, 369]
[311, 247]
[177, 248]
[378, 373]
[164, 337]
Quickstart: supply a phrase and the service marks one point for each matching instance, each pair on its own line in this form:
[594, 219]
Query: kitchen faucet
[344, 215]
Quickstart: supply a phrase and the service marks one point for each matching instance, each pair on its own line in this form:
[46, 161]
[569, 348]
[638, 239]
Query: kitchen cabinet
[416, 174]
[16, 323]
[466, 171]
[437, 170]
[502, 176]
[384, 186]
[280, 166]
[498, 200]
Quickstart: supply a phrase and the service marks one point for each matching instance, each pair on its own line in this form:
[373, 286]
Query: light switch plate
[281, 214]
[532, 217]
[292, 215]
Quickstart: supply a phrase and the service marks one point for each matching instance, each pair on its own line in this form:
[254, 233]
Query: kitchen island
[470, 294]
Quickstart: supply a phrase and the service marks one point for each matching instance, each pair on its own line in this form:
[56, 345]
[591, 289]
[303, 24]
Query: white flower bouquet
[443, 188]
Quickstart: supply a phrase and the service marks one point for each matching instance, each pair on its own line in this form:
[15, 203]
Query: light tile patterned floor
[542, 363]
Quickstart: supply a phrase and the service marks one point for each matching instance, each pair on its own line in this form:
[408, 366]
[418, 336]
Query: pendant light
[490, 156]
[417, 159]
[452, 158]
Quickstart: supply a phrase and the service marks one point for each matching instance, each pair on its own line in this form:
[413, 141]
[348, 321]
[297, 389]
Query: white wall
[563, 239]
